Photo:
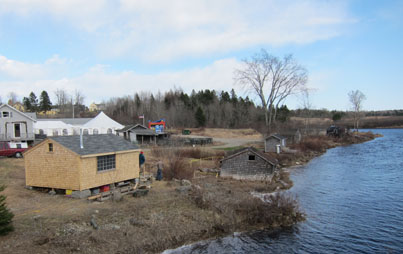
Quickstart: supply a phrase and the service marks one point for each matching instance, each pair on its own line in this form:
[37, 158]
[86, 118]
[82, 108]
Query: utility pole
[73, 106]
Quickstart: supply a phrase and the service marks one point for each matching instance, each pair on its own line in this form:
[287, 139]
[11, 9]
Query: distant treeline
[205, 108]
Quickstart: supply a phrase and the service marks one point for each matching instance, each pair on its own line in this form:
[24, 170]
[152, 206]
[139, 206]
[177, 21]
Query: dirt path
[235, 142]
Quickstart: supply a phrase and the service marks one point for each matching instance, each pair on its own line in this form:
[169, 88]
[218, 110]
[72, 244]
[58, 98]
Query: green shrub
[5, 215]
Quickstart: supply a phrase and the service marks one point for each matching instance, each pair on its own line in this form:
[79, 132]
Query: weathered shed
[62, 163]
[250, 164]
[273, 141]
[138, 133]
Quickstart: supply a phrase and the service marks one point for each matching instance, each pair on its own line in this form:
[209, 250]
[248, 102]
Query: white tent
[52, 128]
[102, 124]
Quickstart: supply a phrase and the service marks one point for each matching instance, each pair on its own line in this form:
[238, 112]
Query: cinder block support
[81, 194]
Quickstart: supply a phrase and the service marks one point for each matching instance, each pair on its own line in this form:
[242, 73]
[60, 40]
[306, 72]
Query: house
[16, 126]
[249, 164]
[138, 133]
[18, 106]
[64, 162]
[96, 107]
[101, 124]
[274, 143]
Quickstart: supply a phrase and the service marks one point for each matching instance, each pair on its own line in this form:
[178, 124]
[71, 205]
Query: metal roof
[95, 144]
[31, 114]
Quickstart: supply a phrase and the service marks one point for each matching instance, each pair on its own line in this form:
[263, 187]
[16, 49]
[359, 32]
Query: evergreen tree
[34, 101]
[45, 104]
[27, 104]
[5, 216]
[283, 113]
[200, 117]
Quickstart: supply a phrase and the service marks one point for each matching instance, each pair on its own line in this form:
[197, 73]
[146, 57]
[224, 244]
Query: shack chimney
[81, 139]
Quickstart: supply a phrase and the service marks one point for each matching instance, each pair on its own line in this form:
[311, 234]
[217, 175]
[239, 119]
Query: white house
[15, 125]
[101, 124]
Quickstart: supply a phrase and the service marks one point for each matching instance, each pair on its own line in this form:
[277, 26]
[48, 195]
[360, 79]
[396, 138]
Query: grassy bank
[169, 216]
[314, 146]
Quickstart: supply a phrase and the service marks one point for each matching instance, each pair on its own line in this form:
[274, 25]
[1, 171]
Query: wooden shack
[272, 142]
[250, 164]
[66, 162]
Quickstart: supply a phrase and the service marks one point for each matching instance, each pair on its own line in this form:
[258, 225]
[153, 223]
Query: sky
[108, 49]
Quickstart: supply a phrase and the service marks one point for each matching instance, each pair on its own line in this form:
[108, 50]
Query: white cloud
[20, 70]
[100, 83]
[161, 30]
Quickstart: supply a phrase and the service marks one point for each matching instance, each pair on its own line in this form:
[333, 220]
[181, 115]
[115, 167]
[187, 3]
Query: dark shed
[250, 164]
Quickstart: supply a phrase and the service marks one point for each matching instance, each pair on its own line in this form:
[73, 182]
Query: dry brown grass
[315, 143]
[222, 133]
[162, 219]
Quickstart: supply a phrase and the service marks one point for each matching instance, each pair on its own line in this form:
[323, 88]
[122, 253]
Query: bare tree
[63, 99]
[356, 99]
[78, 98]
[12, 98]
[307, 106]
[272, 79]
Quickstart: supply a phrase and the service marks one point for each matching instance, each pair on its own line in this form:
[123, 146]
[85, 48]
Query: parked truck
[13, 149]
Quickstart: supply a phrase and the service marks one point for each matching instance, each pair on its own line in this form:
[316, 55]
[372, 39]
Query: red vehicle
[11, 149]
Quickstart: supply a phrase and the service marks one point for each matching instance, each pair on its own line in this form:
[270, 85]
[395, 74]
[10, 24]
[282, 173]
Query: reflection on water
[353, 198]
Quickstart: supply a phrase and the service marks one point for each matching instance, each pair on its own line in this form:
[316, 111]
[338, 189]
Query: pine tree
[27, 104]
[45, 104]
[200, 117]
[5, 216]
[34, 101]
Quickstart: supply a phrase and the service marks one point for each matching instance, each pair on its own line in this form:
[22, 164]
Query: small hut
[274, 142]
[249, 164]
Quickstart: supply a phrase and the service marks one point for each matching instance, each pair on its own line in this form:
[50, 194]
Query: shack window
[106, 162]
[6, 114]
[50, 147]
[251, 157]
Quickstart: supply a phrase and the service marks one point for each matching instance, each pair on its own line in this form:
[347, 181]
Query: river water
[353, 199]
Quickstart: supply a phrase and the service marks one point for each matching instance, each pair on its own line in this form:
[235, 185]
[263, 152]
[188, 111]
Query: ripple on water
[353, 198]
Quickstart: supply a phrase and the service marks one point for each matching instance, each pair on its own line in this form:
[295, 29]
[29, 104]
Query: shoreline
[170, 216]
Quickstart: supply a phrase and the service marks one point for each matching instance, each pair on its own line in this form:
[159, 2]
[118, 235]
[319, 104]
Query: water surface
[353, 198]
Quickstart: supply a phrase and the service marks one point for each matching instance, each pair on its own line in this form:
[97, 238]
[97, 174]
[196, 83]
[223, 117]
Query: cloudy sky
[114, 48]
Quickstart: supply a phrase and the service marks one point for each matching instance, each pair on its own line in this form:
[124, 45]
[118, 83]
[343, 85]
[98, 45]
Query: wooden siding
[64, 169]
[271, 143]
[127, 167]
[240, 167]
[58, 169]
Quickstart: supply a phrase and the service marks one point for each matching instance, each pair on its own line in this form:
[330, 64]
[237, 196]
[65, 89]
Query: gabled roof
[139, 129]
[276, 136]
[95, 144]
[253, 150]
[23, 114]
[130, 127]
